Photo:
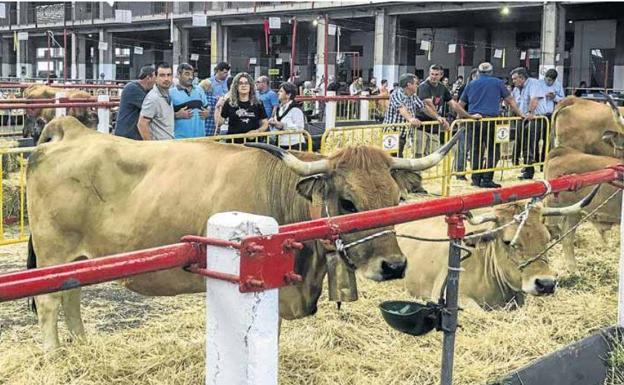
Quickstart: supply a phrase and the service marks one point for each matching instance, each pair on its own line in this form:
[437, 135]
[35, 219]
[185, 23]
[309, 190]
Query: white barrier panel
[62, 111]
[103, 115]
[364, 108]
[241, 328]
[330, 111]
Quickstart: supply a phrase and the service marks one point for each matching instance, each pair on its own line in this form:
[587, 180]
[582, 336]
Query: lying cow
[589, 127]
[564, 161]
[37, 118]
[496, 273]
[91, 195]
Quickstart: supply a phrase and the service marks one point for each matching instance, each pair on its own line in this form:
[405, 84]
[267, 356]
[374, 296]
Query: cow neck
[503, 281]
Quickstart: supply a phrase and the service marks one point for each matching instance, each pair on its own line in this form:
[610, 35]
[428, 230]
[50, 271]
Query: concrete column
[78, 57]
[384, 52]
[180, 46]
[5, 50]
[320, 51]
[618, 68]
[107, 57]
[218, 45]
[553, 37]
[26, 58]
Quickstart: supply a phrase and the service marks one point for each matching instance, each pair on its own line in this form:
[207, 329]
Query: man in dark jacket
[131, 101]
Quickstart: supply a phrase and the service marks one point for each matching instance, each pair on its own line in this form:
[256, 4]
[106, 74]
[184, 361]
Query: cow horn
[617, 115]
[429, 160]
[573, 209]
[298, 166]
[480, 219]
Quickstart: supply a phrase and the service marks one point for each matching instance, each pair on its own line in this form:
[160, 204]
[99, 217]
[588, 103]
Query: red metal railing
[11, 106]
[268, 261]
[338, 98]
[62, 100]
[58, 85]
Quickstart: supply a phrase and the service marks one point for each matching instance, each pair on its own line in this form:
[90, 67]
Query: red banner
[267, 32]
[461, 54]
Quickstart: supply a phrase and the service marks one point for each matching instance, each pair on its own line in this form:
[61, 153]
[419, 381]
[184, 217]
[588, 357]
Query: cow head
[359, 179]
[615, 138]
[511, 252]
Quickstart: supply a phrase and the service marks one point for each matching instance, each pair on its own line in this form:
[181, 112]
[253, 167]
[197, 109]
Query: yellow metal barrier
[397, 139]
[287, 138]
[498, 144]
[11, 158]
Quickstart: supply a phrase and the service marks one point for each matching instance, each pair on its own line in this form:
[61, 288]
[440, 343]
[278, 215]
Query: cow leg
[568, 242]
[48, 307]
[603, 229]
[71, 308]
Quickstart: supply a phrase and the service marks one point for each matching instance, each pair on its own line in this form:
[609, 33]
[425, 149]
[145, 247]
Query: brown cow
[36, 118]
[91, 195]
[564, 161]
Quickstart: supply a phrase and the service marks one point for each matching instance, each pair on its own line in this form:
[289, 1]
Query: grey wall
[589, 35]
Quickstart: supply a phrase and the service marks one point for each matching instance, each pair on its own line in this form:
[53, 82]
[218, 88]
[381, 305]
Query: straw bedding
[141, 340]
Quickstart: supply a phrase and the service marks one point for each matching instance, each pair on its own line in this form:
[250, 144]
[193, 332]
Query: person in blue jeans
[462, 150]
[190, 105]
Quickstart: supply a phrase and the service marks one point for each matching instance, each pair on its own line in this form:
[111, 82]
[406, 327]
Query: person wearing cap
[190, 105]
[131, 101]
[483, 98]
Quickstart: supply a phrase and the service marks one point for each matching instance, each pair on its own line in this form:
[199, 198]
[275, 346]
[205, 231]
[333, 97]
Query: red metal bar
[9, 106]
[66, 276]
[326, 228]
[338, 98]
[62, 85]
[62, 100]
[293, 49]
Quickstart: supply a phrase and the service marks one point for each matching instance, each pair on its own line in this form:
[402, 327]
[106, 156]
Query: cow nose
[393, 270]
[545, 285]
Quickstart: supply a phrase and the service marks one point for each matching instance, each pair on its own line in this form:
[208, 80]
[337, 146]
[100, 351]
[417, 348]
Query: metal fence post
[620, 320]
[330, 112]
[60, 111]
[364, 108]
[241, 328]
[103, 115]
[456, 232]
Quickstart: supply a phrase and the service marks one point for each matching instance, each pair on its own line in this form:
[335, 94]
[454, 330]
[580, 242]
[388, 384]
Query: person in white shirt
[288, 117]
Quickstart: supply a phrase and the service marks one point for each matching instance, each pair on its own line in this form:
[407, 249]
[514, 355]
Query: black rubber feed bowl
[410, 317]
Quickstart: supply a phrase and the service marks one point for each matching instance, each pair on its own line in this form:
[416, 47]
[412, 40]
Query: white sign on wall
[425, 45]
[498, 53]
[278, 61]
[252, 60]
[22, 36]
[331, 29]
[123, 16]
[2, 11]
[103, 46]
[452, 48]
[200, 20]
[194, 56]
[275, 23]
[522, 55]
[138, 50]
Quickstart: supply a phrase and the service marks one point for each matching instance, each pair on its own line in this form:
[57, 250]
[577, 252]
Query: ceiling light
[504, 11]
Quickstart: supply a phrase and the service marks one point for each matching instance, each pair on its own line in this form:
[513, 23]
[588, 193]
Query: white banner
[452, 48]
[252, 60]
[522, 55]
[425, 45]
[275, 23]
[22, 36]
[2, 11]
[123, 16]
[200, 20]
[194, 56]
[103, 46]
[498, 53]
[138, 50]
[331, 29]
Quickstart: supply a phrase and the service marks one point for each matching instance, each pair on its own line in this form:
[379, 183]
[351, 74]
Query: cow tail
[31, 263]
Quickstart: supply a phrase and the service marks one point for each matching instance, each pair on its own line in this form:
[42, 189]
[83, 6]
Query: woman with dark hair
[244, 111]
[288, 117]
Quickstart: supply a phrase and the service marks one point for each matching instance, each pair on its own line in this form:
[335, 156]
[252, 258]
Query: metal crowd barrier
[290, 140]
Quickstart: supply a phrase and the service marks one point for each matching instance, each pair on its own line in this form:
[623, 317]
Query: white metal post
[60, 111]
[621, 282]
[364, 105]
[330, 112]
[103, 115]
[241, 328]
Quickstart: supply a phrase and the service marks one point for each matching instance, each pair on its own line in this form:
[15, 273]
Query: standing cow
[565, 161]
[37, 118]
[91, 195]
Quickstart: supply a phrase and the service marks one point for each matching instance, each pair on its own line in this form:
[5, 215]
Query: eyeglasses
[245, 83]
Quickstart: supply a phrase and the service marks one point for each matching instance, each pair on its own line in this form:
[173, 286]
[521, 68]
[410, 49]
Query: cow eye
[347, 205]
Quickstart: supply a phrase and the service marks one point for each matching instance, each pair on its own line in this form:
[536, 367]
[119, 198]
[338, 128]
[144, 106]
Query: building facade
[91, 40]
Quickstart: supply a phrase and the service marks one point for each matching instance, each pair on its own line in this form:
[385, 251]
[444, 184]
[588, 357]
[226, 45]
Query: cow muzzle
[544, 286]
[393, 270]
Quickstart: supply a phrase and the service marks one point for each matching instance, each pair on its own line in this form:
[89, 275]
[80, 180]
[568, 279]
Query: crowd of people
[158, 106]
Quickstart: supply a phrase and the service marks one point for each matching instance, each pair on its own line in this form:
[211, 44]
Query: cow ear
[311, 187]
[409, 181]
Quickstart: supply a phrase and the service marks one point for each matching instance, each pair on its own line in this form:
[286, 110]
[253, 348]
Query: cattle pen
[60, 277]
